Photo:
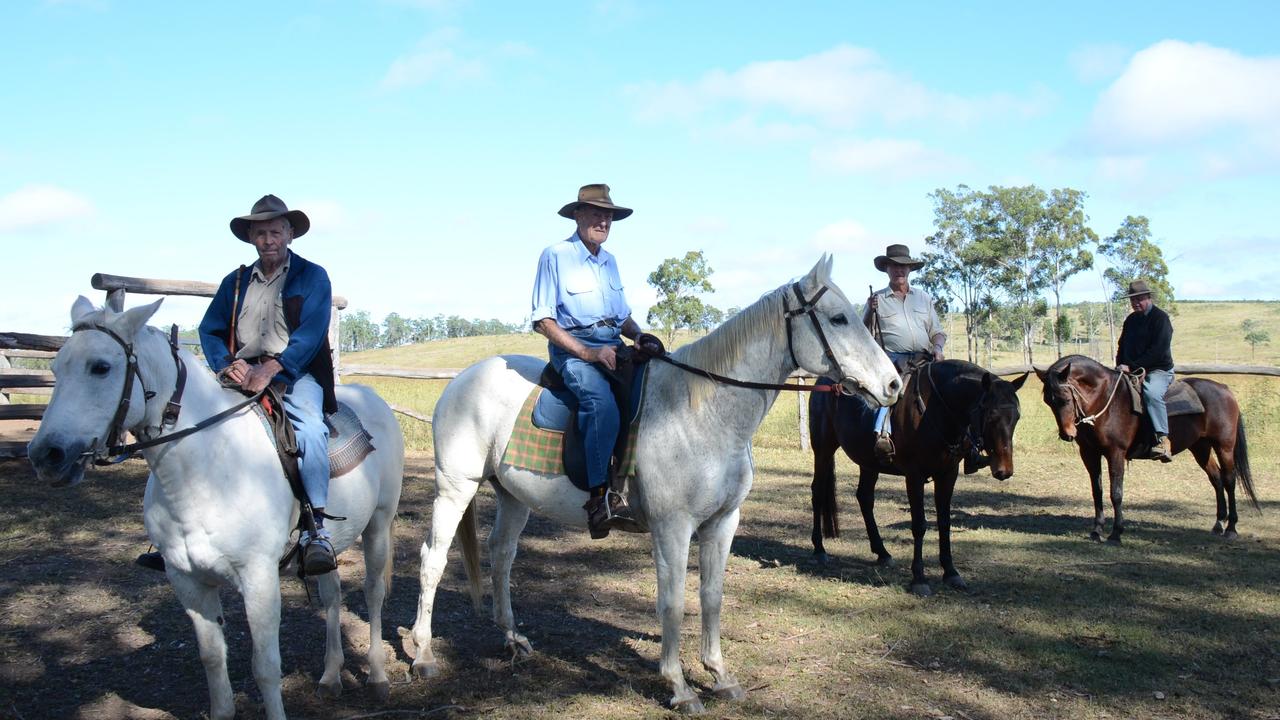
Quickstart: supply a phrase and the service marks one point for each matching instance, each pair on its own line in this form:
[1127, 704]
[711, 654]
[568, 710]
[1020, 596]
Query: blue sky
[432, 141]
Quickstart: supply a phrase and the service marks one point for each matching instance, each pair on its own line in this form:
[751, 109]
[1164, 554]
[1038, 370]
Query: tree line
[357, 330]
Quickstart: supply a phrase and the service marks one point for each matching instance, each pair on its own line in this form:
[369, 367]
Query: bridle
[1078, 401]
[976, 427]
[112, 451]
[846, 386]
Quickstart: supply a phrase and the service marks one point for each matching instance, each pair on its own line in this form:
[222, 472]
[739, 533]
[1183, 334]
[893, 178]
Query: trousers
[598, 418]
[1154, 386]
[304, 405]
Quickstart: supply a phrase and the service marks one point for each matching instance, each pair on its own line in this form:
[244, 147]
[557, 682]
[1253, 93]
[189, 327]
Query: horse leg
[823, 497]
[205, 610]
[867, 477]
[714, 538]
[944, 485]
[1227, 464]
[671, 559]
[508, 523]
[331, 600]
[915, 494]
[260, 588]
[379, 550]
[1115, 468]
[1093, 465]
[1203, 454]
[452, 497]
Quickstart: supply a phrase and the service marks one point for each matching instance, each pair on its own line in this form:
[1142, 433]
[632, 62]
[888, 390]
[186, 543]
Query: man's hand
[236, 371]
[873, 302]
[606, 355]
[650, 345]
[1123, 368]
[937, 353]
[260, 376]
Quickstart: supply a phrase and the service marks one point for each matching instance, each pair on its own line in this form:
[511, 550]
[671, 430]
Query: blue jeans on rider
[1154, 386]
[304, 404]
[883, 425]
[598, 419]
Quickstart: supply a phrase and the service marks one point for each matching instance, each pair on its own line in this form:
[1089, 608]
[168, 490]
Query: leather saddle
[557, 409]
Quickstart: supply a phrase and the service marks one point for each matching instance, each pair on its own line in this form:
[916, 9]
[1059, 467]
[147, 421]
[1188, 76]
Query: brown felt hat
[270, 207]
[899, 255]
[597, 195]
[1138, 287]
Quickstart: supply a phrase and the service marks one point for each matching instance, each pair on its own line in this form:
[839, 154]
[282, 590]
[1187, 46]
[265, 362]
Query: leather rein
[112, 451]
[1078, 401]
[846, 386]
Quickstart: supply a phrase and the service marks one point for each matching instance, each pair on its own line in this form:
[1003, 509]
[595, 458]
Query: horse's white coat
[217, 503]
[694, 461]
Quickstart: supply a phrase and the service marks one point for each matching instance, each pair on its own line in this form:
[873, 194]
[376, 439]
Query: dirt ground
[84, 633]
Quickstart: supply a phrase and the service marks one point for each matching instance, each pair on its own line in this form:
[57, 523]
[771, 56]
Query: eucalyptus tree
[1062, 247]
[961, 262]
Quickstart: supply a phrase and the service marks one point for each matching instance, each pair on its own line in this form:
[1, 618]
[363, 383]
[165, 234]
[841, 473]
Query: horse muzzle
[59, 464]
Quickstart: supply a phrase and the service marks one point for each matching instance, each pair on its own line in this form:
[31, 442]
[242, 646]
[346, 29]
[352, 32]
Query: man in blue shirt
[578, 304]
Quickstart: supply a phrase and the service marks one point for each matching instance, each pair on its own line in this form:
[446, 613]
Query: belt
[607, 322]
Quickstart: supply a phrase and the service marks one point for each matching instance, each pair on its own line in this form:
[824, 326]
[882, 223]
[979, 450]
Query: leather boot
[318, 557]
[1160, 451]
[884, 449]
[150, 560]
[975, 461]
[610, 512]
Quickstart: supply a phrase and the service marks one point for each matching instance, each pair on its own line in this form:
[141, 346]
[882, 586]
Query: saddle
[1179, 399]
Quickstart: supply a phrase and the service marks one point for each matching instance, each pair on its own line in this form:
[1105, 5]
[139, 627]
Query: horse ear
[1065, 373]
[1042, 374]
[816, 276]
[987, 379]
[128, 323]
[80, 309]
[1017, 384]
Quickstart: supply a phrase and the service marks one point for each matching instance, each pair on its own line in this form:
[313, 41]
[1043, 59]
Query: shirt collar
[284, 269]
[585, 255]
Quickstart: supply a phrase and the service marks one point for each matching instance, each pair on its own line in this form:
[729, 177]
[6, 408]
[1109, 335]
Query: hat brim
[1137, 294]
[298, 219]
[619, 213]
[882, 262]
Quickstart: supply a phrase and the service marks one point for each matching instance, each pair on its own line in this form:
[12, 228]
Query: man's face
[593, 224]
[271, 238]
[897, 274]
[1140, 303]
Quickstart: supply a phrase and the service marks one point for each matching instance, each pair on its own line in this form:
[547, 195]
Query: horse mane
[723, 347]
[1051, 373]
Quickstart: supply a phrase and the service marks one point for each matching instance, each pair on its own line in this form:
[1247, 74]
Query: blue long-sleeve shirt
[578, 288]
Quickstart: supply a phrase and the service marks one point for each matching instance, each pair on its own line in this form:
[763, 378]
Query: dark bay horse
[943, 404]
[1079, 388]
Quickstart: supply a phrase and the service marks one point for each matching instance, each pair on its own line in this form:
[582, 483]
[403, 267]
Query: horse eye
[100, 367]
[839, 320]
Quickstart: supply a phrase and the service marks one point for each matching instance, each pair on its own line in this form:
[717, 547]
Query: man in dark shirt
[1145, 343]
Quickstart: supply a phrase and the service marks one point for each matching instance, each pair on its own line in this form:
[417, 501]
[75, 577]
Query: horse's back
[476, 412]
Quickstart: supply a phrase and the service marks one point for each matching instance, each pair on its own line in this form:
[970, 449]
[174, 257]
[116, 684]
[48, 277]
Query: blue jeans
[304, 404]
[1154, 386]
[598, 419]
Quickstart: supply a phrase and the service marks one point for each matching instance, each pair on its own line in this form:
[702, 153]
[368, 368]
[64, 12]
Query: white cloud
[892, 158]
[435, 58]
[1176, 93]
[36, 207]
[1095, 63]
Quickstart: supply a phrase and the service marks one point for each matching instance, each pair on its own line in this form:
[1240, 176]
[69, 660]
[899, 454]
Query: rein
[1078, 401]
[807, 307]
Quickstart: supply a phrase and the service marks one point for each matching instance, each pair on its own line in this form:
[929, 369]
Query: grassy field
[1175, 623]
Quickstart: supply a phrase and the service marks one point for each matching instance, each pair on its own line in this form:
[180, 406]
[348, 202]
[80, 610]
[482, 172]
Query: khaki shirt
[260, 326]
[907, 325]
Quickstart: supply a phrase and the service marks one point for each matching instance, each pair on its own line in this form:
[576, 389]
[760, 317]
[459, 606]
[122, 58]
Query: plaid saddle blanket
[542, 451]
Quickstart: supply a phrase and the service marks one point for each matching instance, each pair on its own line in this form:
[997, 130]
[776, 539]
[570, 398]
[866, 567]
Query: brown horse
[1082, 394]
[945, 405]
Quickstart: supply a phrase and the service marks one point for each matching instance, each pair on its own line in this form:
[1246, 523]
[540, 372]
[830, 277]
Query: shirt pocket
[582, 295]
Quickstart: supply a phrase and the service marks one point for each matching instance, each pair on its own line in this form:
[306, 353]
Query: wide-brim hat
[899, 255]
[1138, 287]
[270, 207]
[597, 195]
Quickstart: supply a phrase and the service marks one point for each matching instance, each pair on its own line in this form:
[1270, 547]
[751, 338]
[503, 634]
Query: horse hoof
[730, 692]
[885, 561]
[1230, 535]
[1114, 540]
[692, 706]
[1217, 530]
[1095, 536]
[381, 690]
[519, 647]
[426, 670]
[956, 582]
[331, 691]
[921, 589]
[821, 558]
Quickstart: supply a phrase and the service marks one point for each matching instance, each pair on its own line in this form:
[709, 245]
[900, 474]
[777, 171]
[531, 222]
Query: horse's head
[89, 400]
[827, 337]
[1058, 396]
[998, 414]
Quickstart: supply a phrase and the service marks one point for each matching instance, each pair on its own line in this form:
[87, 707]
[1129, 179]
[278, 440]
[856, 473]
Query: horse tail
[1242, 463]
[469, 529]
[824, 501]
[824, 443]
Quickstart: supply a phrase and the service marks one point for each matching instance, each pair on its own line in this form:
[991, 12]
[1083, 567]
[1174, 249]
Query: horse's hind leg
[1203, 454]
[671, 559]
[714, 538]
[508, 523]
[205, 610]
[867, 477]
[1227, 463]
[379, 549]
[331, 600]
[453, 494]
[943, 490]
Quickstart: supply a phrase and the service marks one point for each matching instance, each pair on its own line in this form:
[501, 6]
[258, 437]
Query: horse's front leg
[330, 587]
[915, 494]
[1093, 465]
[260, 586]
[714, 538]
[1115, 468]
[671, 559]
[205, 610]
[944, 485]
[867, 477]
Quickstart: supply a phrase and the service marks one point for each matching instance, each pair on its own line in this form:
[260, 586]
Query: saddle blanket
[541, 450]
[1179, 399]
[349, 442]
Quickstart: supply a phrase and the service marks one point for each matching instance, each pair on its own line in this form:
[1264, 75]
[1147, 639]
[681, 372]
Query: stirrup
[884, 449]
[318, 556]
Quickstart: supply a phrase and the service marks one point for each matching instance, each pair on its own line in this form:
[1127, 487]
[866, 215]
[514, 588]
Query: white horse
[217, 503]
[694, 459]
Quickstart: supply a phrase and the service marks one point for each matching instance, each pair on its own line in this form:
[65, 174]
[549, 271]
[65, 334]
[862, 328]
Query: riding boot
[974, 460]
[884, 449]
[1160, 450]
[318, 557]
[608, 510]
[597, 514]
[150, 560]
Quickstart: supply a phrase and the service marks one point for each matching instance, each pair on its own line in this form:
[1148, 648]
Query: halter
[847, 385]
